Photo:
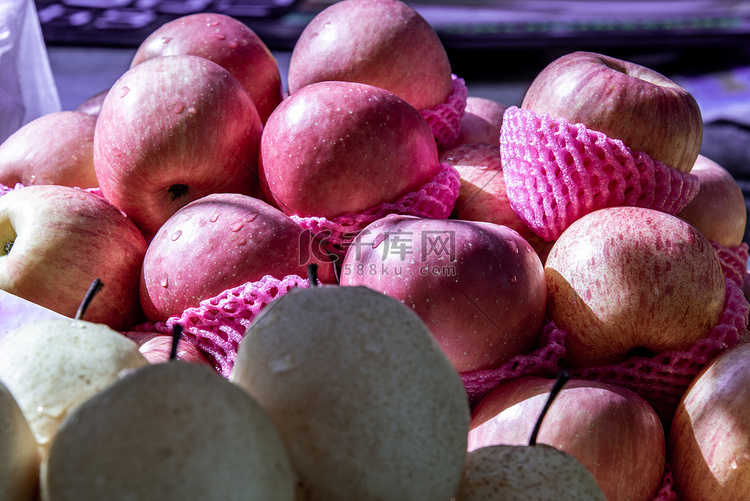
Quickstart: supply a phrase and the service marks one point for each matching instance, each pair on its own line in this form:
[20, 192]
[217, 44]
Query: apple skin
[623, 278]
[64, 156]
[385, 43]
[64, 238]
[226, 41]
[481, 122]
[481, 292]
[613, 431]
[93, 104]
[709, 439]
[624, 100]
[482, 195]
[216, 243]
[171, 130]
[335, 148]
[718, 210]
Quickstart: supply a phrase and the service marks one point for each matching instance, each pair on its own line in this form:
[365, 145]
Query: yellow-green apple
[385, 43]
[627, 278]
[718, 210]
[479, 287]
[709, 439]
[216, 243]
[624, 100]
[93, 104]
[56, 148]
[365, 401]
[171, 130]
[481, 122]
[483, 196]
[52, 366]
[334, 148]
[611, 430]
[19, 455]
[55, 240]
[226, 41]
[169, 432]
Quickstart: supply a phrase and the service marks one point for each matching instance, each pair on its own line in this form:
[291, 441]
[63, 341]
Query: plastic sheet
[27, 87]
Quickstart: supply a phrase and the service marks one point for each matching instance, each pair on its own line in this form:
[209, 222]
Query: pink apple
[709, 439]
[56, 148]
[624, 100]
[611, 430]
[718, 210]
[385, 43]
[626, 277]
[481, 121]
[226, 41]
[93, 104]
[482, 195]
[55, 240]
[334, 148]
[478, 286]
[157, 348]
[171, 130]
[216, 243]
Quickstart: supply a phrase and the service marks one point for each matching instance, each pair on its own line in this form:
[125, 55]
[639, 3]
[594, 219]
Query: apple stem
[176, 335]
[94, 289]
[562, 378]
[312, 275]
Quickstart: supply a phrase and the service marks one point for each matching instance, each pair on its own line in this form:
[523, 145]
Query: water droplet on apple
[733, 464]
[213, 22]
[232, 44]
[513, 246]
[512, 279]
[219, 36]
[282, 364]
[177, 234]
[214, 217]
[116, 152]
[165, 281]
[166, 39]
[179, 275]
[250, 218]
[191, 110]
[236, 226]
[178, 108]
[32, 179]
[242, 243]
[124, 91]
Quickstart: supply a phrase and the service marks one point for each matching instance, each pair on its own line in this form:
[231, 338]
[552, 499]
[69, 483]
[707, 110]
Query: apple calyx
[94, 288]
[562, 378]
[177, 191]
[176, 335]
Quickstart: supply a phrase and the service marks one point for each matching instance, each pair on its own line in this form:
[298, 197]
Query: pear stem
[94, 289]
[562, 378]
[176, 335]
[312, 275]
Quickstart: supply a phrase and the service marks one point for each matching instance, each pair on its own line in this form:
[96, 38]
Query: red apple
[55, 240]
[613, 431]
[171, 130]
[482, 195]
[226, 41]
[709, 439]
[478, 286]
[481, 121]
[718, 210]
[334, 148]
[626, 277]
[56, 148]
[624, 100]
[385, 43]
[216, 243]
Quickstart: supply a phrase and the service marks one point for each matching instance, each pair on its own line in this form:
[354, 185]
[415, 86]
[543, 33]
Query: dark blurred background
[496, 46]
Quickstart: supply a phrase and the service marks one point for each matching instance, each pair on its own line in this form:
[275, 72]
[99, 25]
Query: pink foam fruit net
[445, 118]
[556, 172]
[435, 200]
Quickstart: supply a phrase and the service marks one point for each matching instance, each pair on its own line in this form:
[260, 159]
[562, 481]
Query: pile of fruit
[366, 285]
